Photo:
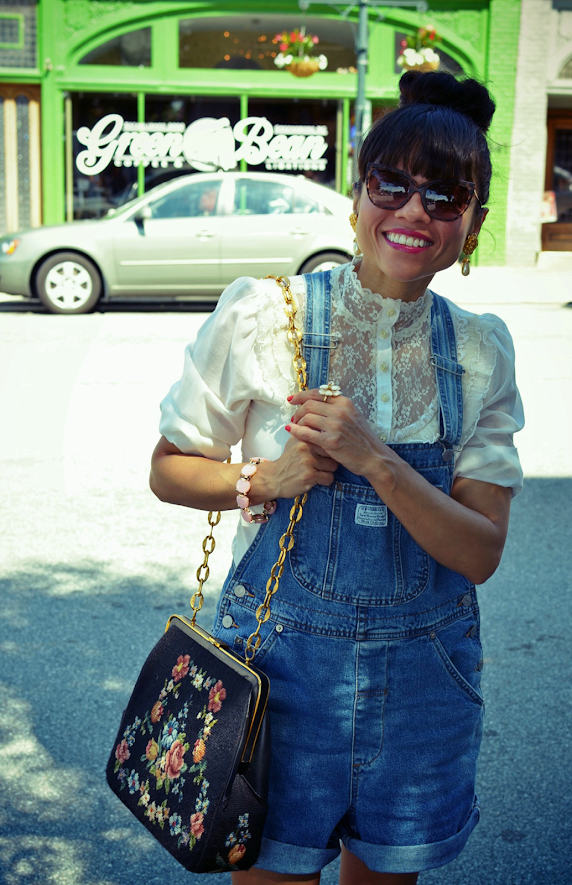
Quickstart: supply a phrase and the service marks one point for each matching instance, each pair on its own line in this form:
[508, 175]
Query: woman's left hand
[338, 428]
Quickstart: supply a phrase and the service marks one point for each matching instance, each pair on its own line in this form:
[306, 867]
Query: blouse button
[391, 312]
[384, 367]
[384, 333]
[383, 437]
[384, 397]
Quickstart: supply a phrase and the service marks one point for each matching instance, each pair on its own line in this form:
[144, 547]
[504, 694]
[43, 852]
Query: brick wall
[528, 150]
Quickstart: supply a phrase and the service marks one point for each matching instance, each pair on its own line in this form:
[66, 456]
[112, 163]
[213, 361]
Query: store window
[300, 137]
[132, 50]
[566, 70]
[246, 42]
[104, 176]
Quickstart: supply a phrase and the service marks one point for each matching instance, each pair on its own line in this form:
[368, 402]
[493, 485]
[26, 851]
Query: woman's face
[432, 245]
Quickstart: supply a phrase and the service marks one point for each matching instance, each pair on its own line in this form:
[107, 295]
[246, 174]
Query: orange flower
[157, 711]
[199, 750]
[236, 853]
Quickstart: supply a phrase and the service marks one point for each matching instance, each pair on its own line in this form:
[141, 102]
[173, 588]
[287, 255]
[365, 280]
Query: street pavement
[92, 565]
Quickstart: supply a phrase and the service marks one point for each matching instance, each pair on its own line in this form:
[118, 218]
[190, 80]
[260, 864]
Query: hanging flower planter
[304, 67]
[297, 53]
[418, 53]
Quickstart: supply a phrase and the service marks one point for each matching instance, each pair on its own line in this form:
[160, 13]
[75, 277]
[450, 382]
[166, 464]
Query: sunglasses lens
[447, 201]
[387, 190]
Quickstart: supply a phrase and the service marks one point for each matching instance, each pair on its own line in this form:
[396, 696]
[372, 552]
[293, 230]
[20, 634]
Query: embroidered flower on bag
[216, 697]
[236, 843]
[181, 668]
[122, 751]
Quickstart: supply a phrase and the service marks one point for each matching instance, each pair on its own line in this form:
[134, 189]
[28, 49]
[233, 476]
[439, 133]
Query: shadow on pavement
[131, 306]
[74, 636]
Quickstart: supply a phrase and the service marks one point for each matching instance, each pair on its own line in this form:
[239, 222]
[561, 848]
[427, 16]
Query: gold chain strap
[203, 571]
[287, 539]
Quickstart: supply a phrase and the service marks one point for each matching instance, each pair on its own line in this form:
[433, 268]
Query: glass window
[562, 174]
[102, 180]
[302, 137]
[246, 42]
[262, 198]
[131, 50]
[188, 201]
[305, 204]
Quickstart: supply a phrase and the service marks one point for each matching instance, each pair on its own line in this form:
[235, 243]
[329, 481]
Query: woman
[372, 647]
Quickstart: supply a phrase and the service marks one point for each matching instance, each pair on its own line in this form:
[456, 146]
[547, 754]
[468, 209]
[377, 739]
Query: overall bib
[373, 654]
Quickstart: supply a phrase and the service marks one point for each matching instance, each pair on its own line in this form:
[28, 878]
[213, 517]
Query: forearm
[456, 535]
[192, 481]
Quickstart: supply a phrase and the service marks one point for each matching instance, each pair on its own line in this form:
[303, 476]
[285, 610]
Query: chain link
[203, 571]
[287, 539]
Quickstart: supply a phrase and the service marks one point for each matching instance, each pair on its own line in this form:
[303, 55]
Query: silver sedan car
[185, 239]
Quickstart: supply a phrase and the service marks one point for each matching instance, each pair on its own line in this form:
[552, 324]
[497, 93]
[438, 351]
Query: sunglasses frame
[420, 189]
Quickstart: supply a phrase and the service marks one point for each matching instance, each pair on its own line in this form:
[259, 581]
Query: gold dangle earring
[353, 222]
[471, 244]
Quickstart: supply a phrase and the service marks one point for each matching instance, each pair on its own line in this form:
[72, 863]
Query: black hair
[438, 131]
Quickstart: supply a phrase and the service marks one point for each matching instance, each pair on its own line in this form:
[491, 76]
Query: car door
[171, 245]
[264, 231]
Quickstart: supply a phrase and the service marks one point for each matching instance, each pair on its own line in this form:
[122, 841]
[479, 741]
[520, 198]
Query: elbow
[157, 488]
[480, 571]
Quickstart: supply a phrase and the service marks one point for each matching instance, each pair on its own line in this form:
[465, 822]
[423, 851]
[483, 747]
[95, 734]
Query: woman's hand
[298, 469]
[338, 429]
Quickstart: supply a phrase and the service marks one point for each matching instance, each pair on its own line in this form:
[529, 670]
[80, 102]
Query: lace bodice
[384, 361]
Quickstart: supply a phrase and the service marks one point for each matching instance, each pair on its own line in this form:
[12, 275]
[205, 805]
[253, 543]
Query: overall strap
[448, 374]
[317, 341]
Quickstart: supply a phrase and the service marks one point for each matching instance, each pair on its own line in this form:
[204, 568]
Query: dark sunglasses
[389, 188]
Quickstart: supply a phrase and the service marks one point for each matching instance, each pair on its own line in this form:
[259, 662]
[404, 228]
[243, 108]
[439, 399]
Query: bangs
[424, 140]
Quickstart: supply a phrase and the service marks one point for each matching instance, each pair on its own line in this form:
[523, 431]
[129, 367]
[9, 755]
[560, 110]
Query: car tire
[324, 261]
[68, 283]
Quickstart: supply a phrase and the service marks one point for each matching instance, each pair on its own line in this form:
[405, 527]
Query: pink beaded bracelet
[243, 487]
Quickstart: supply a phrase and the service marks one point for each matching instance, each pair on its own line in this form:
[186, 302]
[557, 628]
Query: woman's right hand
[298, 469]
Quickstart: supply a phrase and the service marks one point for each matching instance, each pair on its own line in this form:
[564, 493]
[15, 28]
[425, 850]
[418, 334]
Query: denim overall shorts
[373, 654]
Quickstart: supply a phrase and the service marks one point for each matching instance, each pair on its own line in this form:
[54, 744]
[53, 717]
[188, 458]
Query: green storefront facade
[121, 82]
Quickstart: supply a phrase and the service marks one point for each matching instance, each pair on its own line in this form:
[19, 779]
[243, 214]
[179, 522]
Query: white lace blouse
[238, 373]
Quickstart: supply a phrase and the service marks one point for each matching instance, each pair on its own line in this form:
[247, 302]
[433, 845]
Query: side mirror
[143, 214]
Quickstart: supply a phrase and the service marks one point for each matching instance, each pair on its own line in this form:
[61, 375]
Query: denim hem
[412, 858]
[281, 857]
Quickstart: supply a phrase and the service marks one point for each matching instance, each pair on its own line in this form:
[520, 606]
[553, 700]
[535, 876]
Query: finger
[304, 396]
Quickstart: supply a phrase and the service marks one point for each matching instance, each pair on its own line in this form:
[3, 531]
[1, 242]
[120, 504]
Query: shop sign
[207, 144]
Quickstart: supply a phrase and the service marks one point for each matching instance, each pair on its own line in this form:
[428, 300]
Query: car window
[253, 197]
[305, 204]
[191, 201]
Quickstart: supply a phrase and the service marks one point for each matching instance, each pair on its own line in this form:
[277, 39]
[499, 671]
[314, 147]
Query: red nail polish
[288, 428]
[290, 398]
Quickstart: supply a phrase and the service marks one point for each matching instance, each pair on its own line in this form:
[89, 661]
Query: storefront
[135, 92]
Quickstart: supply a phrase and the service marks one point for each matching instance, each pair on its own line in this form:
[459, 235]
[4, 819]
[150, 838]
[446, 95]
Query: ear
[479, 220]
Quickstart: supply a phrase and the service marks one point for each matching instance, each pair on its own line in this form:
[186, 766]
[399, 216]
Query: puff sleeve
[489, 454]
[204, 413]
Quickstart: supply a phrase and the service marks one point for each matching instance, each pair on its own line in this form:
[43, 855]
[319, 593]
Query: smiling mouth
[402, 240]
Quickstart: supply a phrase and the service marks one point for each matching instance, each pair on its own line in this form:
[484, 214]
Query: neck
[403, 290]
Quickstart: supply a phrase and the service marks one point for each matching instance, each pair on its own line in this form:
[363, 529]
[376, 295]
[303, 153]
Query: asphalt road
[92, 565]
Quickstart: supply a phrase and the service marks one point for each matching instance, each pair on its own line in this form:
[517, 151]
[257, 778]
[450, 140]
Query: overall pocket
[349, 547]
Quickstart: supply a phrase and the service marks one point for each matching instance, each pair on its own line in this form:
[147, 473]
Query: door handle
[299, 232]
[205, 234]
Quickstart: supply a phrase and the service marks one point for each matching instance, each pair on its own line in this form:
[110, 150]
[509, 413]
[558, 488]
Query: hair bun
[466, 97]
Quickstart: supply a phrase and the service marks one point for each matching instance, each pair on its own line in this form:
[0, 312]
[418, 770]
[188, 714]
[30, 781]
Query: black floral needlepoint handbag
[191, 756]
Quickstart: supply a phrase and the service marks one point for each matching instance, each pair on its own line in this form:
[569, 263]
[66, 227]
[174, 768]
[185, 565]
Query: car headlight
[9, 246]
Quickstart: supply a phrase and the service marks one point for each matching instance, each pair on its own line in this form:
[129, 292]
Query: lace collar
[365, 306]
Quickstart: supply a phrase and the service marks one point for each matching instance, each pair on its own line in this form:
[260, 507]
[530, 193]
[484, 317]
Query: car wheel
[324, 261]
[68, 283]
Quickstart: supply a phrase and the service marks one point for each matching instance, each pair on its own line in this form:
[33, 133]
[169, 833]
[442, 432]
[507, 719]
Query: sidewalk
[550, 282]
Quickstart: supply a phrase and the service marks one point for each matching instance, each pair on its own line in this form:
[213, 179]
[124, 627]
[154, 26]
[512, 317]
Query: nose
[413, 209]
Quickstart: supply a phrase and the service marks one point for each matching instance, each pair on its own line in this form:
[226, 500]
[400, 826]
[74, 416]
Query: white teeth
[407, 241]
